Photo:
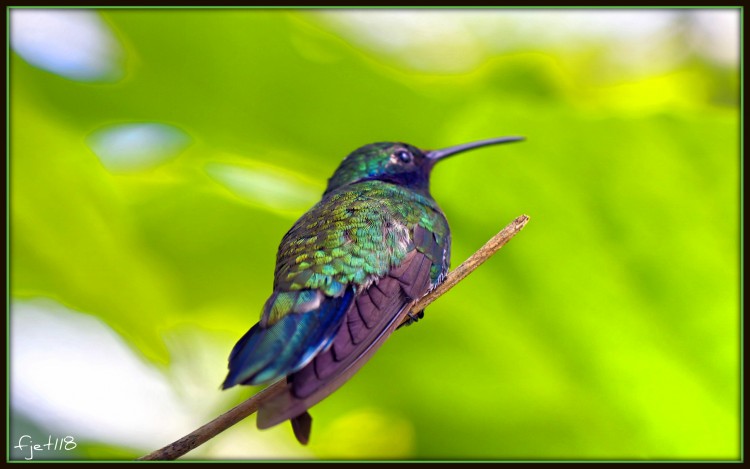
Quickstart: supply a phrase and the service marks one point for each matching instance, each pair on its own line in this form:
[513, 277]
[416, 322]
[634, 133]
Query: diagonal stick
[251, 405]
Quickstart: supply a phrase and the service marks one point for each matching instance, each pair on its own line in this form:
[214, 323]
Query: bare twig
[474, 261]
[250, 406]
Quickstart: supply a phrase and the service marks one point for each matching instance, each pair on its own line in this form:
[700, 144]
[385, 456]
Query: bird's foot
[411, 319]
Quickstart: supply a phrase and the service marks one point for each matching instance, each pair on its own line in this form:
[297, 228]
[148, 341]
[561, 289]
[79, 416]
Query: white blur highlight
[70, 373]
[137, 146]
[458, 40]
[75, 44]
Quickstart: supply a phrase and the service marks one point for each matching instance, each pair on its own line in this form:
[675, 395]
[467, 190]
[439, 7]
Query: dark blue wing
[269, 352]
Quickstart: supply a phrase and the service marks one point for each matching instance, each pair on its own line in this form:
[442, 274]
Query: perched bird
[346, 270]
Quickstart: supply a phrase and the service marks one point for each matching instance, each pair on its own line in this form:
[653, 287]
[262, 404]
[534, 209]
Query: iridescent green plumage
[356, 236]
[375, 243]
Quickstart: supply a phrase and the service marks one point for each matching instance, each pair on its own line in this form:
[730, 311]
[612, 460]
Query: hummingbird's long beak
[436, 155]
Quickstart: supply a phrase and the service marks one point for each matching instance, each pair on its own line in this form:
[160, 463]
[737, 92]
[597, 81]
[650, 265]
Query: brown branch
[251, 405]
[474, 261]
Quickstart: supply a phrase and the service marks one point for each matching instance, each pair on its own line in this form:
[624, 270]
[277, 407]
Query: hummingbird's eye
[404, 156]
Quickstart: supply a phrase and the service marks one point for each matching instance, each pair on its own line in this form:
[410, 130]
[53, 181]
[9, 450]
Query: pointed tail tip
[302, 425]
[228, 383]
[234, 378]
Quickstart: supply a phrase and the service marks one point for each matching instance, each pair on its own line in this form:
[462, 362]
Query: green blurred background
[157, 157]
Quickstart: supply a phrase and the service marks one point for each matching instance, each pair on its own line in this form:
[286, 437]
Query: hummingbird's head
[397, 163]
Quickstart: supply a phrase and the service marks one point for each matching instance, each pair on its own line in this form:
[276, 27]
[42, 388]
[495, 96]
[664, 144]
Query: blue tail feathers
[265, 354]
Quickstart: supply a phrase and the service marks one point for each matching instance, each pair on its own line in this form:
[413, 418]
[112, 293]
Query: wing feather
[267, 353]
[354, 343]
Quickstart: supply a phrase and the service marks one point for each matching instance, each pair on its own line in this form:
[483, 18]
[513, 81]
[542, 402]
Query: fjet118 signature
[60, 444]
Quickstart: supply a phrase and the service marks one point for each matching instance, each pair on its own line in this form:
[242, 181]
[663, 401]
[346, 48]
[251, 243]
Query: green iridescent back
[356, 234]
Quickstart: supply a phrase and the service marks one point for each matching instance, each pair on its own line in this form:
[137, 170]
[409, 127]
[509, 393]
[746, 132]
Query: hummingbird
[345, 272]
